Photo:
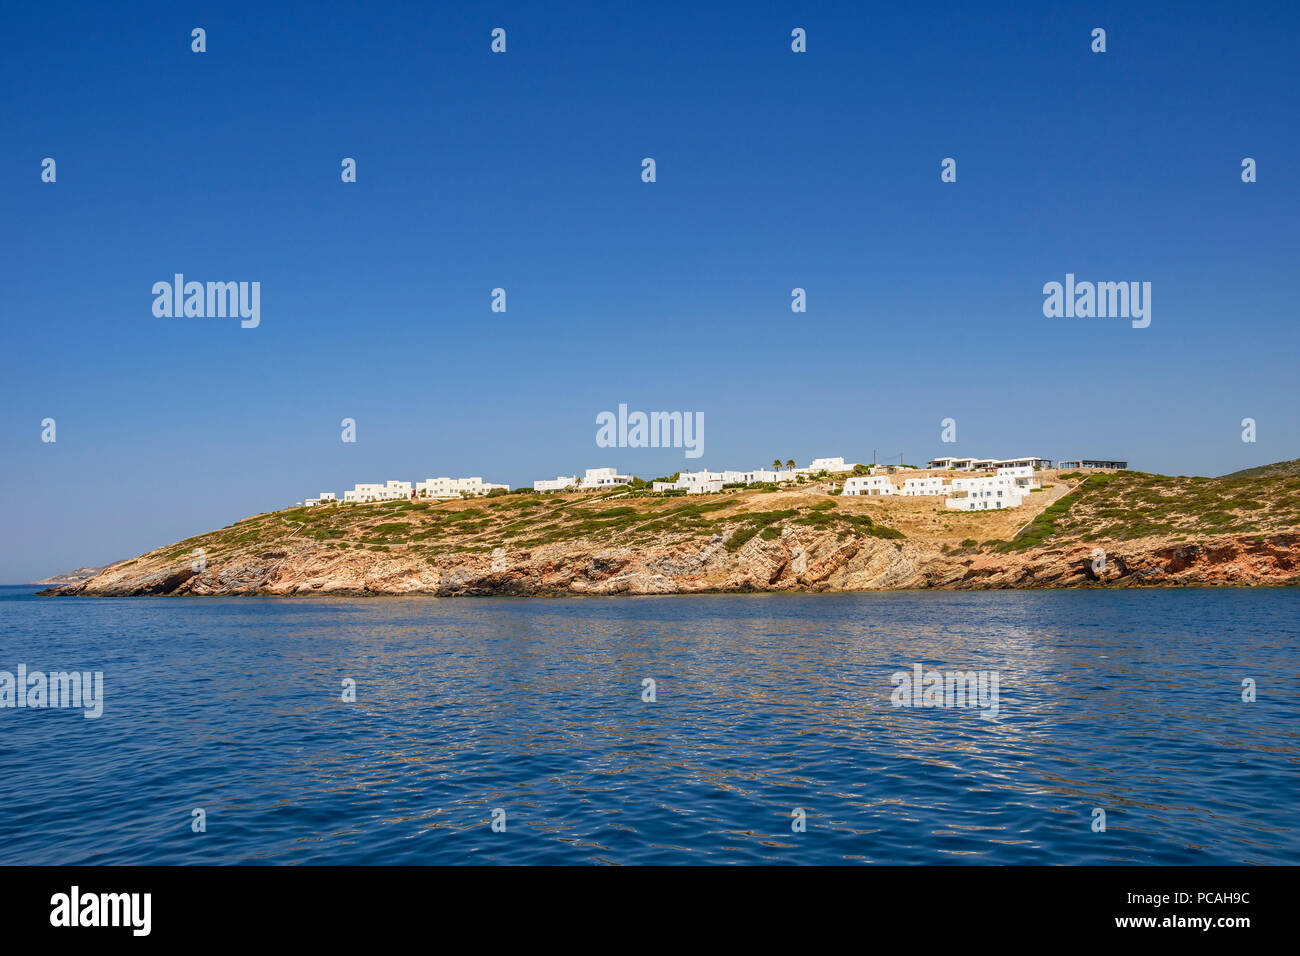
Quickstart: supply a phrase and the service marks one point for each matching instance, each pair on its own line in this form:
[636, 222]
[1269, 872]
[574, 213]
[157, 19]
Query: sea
[1109, 727]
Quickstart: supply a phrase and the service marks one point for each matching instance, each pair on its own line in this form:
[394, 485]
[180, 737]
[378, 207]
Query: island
[1076, 529]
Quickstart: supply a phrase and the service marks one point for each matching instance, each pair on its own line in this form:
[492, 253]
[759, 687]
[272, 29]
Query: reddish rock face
[800, 560]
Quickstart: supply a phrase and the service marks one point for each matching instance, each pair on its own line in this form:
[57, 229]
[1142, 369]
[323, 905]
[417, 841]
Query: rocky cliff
[809, 562]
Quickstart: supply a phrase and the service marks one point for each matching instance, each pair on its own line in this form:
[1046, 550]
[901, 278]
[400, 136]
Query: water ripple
[1125, 701]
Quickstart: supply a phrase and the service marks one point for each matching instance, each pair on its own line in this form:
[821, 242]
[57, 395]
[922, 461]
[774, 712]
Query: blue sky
[775, 170]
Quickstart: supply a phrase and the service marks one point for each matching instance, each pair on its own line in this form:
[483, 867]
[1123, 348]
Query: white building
[1007, 489]
[1023, 475]
[930, 485]
[924, 486]
[830, 464]
[950, 464]
[755, 476]
[326, 497]
[693, 482]
[445, 488]
[555, 484]
[602, 479]
[389, 491]
[1094, 463]
[362, 493]
[981, 494]
[1030, 463]
[986, 464]
[869, 485]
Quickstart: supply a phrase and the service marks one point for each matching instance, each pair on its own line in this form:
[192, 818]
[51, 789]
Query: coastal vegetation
[1118, 506]
[1128, 505]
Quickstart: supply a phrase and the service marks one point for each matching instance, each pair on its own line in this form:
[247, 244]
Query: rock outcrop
[797, 561]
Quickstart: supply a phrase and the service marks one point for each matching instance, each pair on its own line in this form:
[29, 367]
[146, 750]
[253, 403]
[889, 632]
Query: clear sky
[522, 170]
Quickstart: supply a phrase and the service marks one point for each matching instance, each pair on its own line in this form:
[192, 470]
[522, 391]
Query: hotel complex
[1008, 482]
[595, 479]
[1006, 488]
[438, 488]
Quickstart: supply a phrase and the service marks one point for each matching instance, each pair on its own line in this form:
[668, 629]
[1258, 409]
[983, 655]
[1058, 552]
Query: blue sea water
[1126, 701]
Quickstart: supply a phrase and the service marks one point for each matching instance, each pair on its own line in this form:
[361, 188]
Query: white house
[869, 485]
[951, 464]
[602, 479]
[1023, 475]
[923, 487]
[326, 497]
[730, 477]
[1095, 464]
[390, 491]
[555, 484]
[445, 488]
[1030, 463]
[693, 482]
[986, 464]
[989, 492]
[364, 492]
[830, 464]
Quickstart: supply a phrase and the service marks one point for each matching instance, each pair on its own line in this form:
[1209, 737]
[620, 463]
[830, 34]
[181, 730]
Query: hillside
[1155, 530]
[1277, 469]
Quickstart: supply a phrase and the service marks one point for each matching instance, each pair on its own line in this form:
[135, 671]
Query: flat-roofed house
[830, 464]
[363, 492]
[986, 464]
[924, 487]
[1023, 476]
[447, 488]
[1092, 463]
[555, 484]
[693, 483]
[986, 493]
[872, 485]
[601, 479]
[1024, 463]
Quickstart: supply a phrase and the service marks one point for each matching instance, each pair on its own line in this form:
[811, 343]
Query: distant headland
[1070, 528]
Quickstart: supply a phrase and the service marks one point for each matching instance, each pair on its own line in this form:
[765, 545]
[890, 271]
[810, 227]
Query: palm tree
[776, 464]
[789, 463]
